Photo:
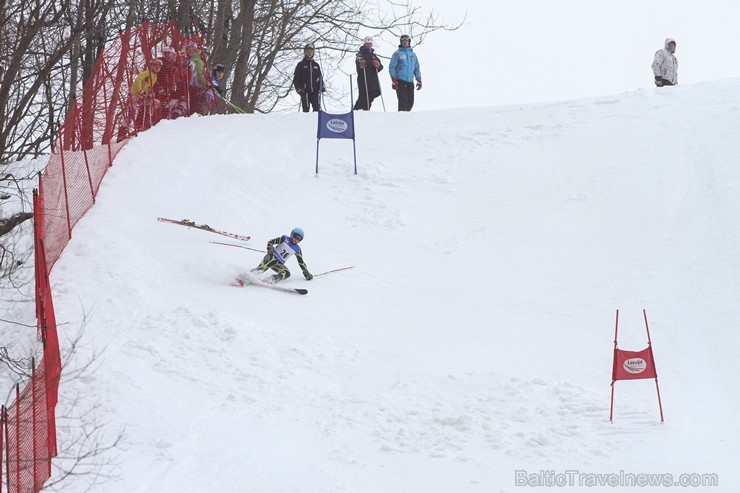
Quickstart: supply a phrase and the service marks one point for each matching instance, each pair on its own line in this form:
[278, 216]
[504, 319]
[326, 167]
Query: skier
[404, 67]
[665, 65]
[279, 251]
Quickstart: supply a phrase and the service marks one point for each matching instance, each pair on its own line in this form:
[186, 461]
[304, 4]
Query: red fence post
[84, 153]
[3, 430]
[64, 183]
[17, 437]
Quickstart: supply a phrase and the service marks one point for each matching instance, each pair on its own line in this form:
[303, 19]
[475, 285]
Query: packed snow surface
[472, 343]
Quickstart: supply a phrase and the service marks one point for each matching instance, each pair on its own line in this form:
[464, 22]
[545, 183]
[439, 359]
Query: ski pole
[367, 94]
[238, 109]
[380, 89]
[330, 271]
[238, 246]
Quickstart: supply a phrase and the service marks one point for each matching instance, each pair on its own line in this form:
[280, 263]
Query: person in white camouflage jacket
[665, 65]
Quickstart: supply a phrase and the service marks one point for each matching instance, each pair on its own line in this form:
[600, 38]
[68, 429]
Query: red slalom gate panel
[633, 365]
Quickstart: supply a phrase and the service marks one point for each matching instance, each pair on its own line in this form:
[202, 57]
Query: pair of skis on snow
[248, 277]
[204, 227]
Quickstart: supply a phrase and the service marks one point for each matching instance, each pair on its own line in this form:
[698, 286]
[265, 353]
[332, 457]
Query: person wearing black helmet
[307, 80]
[279, 250]
[404, 67]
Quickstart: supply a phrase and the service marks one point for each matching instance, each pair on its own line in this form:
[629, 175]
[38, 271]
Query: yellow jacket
[143, 84]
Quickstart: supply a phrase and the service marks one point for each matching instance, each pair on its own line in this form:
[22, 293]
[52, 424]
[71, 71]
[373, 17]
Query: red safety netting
[148, 74]
[27, 448]
[2, 435]
[47, 329]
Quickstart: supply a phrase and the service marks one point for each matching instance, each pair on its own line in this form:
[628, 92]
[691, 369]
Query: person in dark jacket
[218, 74]
[368, 65]
[307, 80]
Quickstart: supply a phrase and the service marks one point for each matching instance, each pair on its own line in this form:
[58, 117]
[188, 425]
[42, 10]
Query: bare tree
[86, 456]
[39, 44]
[15, 210]
[257, 41]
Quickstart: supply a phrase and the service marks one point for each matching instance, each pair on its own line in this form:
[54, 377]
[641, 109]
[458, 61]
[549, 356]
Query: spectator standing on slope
[368, 65]
[665, 65]
[307, 80]
[218, 74]
[404, 67]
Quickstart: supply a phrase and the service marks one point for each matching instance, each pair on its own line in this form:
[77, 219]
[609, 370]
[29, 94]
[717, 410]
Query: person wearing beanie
[368, 65]
[308, 81]
[143, 96]
[218, 73]
[665, 65]
[170, 88]
[404, 67]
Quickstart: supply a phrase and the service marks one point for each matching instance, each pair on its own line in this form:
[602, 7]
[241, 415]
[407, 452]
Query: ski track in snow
[473, 339]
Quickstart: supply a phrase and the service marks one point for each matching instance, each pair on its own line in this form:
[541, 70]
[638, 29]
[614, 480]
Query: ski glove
[363, 63]
[394, 84]
[376, 63]
[658, 81]
[307, 275]
[418, 85]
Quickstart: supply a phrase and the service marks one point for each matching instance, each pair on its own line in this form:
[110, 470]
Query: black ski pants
[310, 98]
[405, 93]
[363, 103]
[270, 262]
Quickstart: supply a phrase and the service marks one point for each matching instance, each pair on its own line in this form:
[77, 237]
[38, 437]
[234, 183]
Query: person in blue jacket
[279, 250]
[404, 67]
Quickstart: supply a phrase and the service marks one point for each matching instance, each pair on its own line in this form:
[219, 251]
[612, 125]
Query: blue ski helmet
[297, 233]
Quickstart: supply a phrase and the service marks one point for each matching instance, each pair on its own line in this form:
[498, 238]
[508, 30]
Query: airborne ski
[204, 227]
[248, 278]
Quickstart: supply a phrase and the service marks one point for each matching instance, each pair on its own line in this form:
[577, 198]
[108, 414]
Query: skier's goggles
[296, 237]
[405, 38]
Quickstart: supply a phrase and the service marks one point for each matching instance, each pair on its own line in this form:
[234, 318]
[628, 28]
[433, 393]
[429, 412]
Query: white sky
[519, 51]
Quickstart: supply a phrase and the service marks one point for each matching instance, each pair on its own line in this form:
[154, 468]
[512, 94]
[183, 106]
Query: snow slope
[473, 338]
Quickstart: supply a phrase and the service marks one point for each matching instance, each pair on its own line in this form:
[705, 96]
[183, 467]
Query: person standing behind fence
[307, 80]
[368, 65]
[146, 105]
[404, 67]
[198, 83]
[218, 73]
[665, 65]
[169, 88]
